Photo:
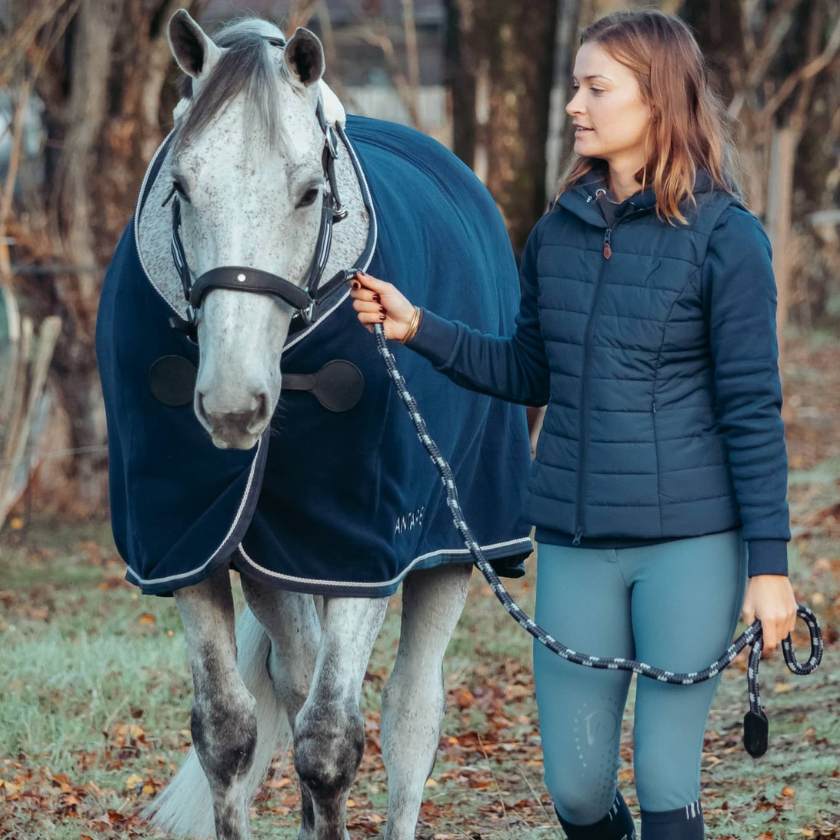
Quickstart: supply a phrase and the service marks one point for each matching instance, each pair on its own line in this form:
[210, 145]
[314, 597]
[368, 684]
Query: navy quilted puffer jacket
[655, 349]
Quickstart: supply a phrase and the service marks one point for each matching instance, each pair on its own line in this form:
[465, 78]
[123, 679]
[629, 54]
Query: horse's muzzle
[234, 429]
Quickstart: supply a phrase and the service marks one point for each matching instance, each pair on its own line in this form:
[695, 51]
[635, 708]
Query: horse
[253, 427]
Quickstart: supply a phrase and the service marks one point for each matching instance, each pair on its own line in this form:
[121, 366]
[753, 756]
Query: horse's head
[248, 171]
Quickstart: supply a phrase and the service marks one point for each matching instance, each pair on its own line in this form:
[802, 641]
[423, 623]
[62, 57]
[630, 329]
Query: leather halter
[305, 299]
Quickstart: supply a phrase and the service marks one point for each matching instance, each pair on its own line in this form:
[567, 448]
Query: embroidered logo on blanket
[410, 521]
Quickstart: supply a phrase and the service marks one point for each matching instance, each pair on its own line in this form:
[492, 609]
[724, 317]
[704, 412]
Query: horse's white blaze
[244, 210]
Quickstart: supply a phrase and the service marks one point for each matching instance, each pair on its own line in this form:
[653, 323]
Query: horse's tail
[185, 808]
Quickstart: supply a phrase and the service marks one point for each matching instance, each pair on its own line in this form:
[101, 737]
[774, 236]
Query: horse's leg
[330, 731]
[414, 701]
[291, 622]
[224, 722]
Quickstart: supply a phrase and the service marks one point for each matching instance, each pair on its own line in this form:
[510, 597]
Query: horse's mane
[246, 65]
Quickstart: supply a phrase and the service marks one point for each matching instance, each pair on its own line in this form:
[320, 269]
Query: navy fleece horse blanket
[331, 503]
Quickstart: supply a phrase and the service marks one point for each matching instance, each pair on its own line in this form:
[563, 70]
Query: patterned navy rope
[751, 636]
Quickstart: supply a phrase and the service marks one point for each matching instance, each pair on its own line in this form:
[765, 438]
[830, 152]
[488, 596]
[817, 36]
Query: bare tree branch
[13, 51]
[775, 28]
[11, 178]
[380, 37]
[412, 55]
[808, 71]
[301, 13]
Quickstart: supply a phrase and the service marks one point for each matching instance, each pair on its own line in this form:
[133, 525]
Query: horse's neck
[154, 230]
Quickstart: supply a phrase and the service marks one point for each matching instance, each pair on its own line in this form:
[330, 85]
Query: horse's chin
[243, 442]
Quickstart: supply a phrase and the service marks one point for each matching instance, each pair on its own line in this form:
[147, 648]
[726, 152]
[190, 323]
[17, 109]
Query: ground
[95, 690]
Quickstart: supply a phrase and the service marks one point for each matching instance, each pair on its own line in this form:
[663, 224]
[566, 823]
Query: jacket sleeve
[515, 368]
[740, 296]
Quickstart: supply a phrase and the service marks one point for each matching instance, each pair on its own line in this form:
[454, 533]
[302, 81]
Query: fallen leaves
[487, 783]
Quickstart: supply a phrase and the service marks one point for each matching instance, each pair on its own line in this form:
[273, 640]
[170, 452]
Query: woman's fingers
[372, 317]
[368, 306]
[372, 282]
[376, 301]
[362, 293]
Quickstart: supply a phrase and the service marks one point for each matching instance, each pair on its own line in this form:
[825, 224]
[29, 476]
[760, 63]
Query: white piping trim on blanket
[377, 584]
[221, 545]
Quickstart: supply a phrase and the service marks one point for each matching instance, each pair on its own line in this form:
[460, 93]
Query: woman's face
[610, 116]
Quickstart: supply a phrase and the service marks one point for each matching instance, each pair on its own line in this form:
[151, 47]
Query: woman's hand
[770, 598]
[378, 302]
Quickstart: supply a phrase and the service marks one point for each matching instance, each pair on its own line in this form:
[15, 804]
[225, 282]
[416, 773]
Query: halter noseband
[305, 299]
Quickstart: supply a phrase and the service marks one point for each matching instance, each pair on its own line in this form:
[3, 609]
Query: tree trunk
[102, 87]
[780, 199]
[511, 46]
[561, 133]
[459, 78]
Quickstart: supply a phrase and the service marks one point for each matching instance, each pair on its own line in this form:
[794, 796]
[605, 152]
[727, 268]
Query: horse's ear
[304, 57]
[195, 53]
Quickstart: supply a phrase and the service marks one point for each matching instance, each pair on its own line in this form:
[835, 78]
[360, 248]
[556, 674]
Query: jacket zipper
[584, 387]
[580, 524]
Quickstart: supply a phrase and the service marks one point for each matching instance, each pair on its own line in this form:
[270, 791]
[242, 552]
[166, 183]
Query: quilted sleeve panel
[740, 301]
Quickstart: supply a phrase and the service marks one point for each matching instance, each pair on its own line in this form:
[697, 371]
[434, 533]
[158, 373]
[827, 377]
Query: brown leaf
[464, 698]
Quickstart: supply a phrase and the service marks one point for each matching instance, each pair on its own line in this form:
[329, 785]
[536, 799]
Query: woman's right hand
[378, 302]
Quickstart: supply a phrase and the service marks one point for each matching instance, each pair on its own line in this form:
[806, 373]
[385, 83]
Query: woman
[647, 323]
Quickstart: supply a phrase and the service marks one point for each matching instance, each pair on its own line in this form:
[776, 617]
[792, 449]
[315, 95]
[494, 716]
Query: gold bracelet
[413, 326]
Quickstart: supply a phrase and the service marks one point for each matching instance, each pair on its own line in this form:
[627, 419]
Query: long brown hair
[689, 128]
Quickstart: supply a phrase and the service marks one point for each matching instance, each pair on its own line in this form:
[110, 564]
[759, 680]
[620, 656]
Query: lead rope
[756, 727]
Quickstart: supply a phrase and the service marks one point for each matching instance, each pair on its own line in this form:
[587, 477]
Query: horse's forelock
[246, 65]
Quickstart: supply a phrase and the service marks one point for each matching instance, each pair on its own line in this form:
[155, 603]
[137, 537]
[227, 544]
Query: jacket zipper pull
[578, 535]
[607, 246]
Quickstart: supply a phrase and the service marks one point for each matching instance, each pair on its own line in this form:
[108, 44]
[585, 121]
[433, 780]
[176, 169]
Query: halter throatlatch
[306, 299]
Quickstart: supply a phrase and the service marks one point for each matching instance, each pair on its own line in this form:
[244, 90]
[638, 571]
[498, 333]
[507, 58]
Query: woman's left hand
[770, 599]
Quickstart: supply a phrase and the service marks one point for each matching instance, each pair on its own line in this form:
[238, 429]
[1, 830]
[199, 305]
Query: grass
[95, 690]
[95, 699]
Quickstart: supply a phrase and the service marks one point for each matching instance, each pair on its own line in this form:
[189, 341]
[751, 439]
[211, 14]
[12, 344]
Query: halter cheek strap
[305, 299]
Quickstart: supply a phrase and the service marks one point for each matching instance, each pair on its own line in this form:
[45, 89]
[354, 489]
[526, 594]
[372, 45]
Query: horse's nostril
[200, 410]
[261, 411]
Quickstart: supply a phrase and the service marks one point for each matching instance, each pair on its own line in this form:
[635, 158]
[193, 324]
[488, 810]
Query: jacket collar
[580, 198]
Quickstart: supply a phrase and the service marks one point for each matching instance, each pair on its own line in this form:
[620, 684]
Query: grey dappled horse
[316, 648]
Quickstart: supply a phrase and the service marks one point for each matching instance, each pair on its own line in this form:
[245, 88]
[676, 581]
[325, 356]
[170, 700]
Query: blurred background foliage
[87, 89]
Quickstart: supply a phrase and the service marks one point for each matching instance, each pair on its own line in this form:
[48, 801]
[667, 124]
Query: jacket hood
[580, 198]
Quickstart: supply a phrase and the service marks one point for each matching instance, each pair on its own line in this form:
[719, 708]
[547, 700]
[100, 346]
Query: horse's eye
[309, 198]
[179, 188]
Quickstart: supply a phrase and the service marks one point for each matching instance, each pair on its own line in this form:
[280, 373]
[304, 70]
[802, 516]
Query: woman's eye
[597, 91]
[309, 197]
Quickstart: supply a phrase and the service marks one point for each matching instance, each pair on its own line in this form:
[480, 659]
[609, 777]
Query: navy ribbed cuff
[435, 338]
[767, 557]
